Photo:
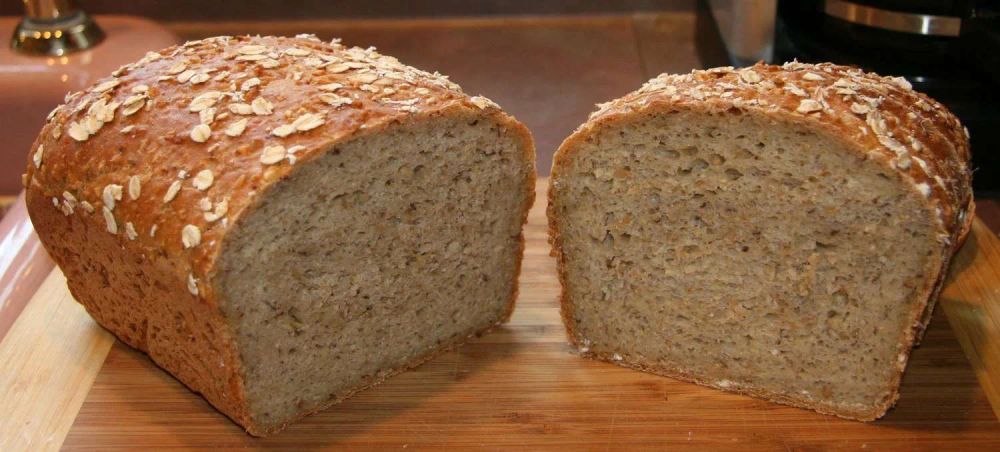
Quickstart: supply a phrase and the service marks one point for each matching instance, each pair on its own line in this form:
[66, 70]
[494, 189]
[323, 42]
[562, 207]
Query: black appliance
[949, 49]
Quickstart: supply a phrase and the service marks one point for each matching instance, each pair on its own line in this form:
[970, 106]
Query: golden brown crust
[881, 117]
[528, 144]
[140, 178]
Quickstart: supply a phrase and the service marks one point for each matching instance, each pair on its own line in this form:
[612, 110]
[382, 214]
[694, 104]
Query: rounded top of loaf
[882, 116]
[169, 151]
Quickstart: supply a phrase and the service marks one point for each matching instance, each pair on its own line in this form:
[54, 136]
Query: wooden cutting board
[66, 383]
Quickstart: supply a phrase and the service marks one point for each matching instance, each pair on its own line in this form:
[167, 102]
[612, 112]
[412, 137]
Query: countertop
[518, 387]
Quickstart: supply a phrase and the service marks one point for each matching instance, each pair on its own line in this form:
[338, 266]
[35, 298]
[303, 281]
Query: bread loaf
[282, 222]
[776, 231]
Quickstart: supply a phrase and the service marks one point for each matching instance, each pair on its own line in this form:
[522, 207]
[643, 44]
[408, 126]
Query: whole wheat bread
[777, 231]
[281, 222]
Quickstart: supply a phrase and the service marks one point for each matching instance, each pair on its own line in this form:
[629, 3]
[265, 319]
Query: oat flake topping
[190, 236]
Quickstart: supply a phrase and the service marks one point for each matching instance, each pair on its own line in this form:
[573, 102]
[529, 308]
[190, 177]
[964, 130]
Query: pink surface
[23, 263]
[30, 87]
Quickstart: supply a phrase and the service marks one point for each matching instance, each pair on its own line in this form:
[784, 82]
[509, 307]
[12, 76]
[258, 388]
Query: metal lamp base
[56, 37]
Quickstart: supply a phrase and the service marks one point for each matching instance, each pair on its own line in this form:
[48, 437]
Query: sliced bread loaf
[282, 222]
[777, 231]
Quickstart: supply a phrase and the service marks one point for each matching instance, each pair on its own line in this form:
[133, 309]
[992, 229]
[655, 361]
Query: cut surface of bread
[744, 249]
[333, 283]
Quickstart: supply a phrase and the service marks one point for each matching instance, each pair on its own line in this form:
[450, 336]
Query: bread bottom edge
[879, 410]
[453, 344]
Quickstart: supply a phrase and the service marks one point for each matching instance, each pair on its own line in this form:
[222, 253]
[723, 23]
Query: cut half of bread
[282, 222]
[777, 231]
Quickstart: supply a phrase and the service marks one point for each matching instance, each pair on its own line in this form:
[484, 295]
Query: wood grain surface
[521, 386]
[972, 303]
[48, 360]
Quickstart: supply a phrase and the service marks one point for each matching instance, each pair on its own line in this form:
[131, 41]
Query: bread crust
[881, 118]
[129, 249]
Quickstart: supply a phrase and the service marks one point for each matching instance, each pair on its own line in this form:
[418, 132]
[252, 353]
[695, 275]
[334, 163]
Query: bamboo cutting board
[517, 387]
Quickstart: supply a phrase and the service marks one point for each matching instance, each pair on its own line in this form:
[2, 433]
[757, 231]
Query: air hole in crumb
[733, 173]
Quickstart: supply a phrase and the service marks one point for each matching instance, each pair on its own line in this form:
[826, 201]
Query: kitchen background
[549, 62]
